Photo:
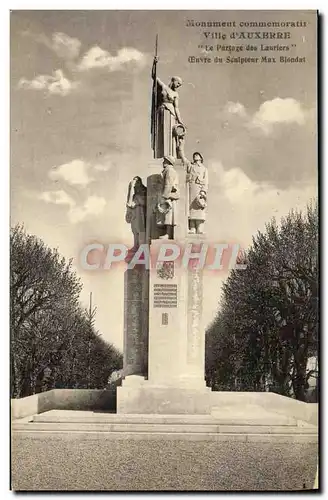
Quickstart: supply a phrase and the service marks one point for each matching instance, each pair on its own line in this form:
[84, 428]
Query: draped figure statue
[136, 204]
[166, 123]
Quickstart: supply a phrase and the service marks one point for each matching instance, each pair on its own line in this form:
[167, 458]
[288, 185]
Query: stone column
[196, 330]
[133, 321]
[145, 323]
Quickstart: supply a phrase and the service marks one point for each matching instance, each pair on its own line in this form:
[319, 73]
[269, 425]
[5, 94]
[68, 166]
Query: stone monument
[164, 337]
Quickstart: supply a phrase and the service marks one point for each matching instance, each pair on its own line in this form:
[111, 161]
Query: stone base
[150, 399]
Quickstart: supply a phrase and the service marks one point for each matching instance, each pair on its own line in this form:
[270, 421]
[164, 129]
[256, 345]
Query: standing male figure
[197, 180]
[166, 208]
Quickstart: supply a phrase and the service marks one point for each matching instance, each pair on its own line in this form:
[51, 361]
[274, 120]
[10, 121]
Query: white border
[4, 171]
[167, 5]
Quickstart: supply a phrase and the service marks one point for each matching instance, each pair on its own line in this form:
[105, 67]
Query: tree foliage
[53, 339]
[267, 325]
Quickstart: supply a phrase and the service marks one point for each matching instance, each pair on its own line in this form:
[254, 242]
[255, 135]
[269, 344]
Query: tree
[88, 362]
[267, 326]
[48, 326]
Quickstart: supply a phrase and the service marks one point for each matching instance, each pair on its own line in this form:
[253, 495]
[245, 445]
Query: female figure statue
[136, 210]
[166, 119]
[197, 180]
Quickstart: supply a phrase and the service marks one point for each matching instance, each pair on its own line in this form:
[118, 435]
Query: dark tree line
[54, 343]
[267, 325]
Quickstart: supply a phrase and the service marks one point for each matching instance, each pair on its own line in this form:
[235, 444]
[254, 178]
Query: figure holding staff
[166, 123]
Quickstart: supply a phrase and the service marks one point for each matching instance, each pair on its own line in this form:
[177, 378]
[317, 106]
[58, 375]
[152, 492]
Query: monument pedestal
[176, 340]
[164, 400]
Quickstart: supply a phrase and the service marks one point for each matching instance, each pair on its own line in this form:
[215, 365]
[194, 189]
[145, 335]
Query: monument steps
[163, 426]
[233, 418]
[173, 436]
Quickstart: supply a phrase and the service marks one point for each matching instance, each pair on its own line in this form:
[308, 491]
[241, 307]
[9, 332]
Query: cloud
[75, 172]
[93, 205]
[235, 108]
[63, 45]
[78, 172]
[68, 49]
[55, 84]
[235, 184]
[96, 57]
[270, 113]
[57, 197]
[280, 111]
[244, 206]
[274, 142]
[103, 167]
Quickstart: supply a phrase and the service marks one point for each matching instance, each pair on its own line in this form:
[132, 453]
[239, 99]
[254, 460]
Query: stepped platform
[241, 445]
[247, 424]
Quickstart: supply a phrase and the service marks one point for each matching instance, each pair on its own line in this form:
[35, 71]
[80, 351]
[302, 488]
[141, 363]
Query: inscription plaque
[165, 295]
[165, 319]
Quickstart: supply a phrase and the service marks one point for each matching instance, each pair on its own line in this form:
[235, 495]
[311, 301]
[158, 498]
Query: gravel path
[40, 463]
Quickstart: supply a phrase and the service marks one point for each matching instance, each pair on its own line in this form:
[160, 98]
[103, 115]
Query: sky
[80, 120]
